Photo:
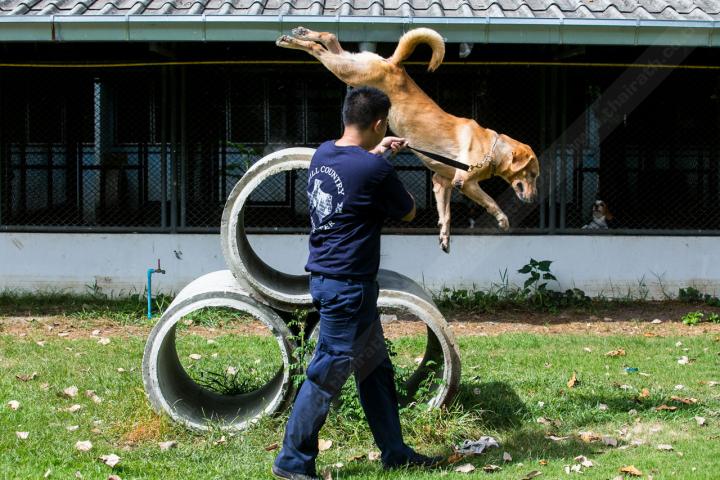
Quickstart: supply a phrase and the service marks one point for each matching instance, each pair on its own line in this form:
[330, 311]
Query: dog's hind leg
[473, 191]
[329, 40]
[442, 188]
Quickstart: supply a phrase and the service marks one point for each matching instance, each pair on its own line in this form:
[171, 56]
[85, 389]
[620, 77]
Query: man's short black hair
[363, 106]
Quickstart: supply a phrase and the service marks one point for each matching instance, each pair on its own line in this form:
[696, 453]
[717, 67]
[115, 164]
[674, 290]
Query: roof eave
[235, 28]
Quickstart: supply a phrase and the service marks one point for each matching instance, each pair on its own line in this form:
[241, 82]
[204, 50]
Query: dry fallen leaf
[465, 468]
[455, 457]
[356, 458]
[104, 341]
[72, 428]
[70, 392]
[110, 460]
[22, 435]
[555, 438]
[167, 445]
[507, 457]
[684, 360]
[666, 407]
[47, 473]
[114, 477]
[121, 370]
[327, 474]
[489, 468]
[532, 474]
[324, 444]
[13, 404]
[271, 447]
[679, 387]
[589, 437]
[573, 381]
[41, 343]
[195, 356]
[685, 400]
[631, 470]
[645, 393]
[602, 407]
[700, 421]
[665, 447]
[25, 377]
[588, 349]
[610, 441]
[543, 462]
[231, 370]
[620, 352]
[73, 408]
[710, 383]
[83, 446]
[373, 456]
[221, 441]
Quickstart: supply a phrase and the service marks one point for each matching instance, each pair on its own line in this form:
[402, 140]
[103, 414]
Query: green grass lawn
[509, 382]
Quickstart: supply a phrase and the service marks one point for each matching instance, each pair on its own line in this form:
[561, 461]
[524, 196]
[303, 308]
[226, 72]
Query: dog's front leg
[473, 191]
[442, 188]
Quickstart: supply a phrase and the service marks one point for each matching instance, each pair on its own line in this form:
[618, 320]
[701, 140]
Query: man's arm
[393, 143]
[411, 215]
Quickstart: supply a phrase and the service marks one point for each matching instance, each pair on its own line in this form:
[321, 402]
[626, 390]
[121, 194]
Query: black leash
[439, 158]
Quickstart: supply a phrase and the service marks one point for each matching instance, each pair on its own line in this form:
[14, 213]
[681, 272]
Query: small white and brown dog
[602, 218]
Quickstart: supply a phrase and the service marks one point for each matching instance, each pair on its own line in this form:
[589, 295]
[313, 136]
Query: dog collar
[487, 159]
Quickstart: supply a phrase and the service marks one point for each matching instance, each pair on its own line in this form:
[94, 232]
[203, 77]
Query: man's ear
[377, 125]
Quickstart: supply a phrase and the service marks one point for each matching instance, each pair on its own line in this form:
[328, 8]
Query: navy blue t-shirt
[350, 193]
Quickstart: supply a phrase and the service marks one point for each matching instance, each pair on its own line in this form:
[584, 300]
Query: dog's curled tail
[412, 39]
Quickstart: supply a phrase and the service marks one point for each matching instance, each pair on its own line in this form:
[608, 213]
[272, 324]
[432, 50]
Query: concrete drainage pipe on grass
[441, 360]
[171, 390]
[281, 290]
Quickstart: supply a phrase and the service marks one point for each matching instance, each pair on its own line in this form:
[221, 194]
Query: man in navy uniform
[352, 188]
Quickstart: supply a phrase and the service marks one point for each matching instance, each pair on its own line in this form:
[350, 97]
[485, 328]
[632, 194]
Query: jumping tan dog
[426, 126]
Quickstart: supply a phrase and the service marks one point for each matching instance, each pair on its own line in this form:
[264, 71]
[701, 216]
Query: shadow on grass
[498, 404]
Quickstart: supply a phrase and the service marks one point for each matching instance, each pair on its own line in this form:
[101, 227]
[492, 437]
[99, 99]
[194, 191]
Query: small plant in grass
[692, 318]
[305, 347]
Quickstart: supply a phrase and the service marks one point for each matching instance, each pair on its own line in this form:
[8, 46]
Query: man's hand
[392, 143]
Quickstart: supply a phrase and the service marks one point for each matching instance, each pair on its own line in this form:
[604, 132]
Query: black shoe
[417, 460]
[280, 473]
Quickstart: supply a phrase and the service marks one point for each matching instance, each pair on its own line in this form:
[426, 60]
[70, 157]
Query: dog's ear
[519, 159]
[608, 214]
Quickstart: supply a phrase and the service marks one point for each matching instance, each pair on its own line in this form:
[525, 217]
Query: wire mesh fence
[160, 148]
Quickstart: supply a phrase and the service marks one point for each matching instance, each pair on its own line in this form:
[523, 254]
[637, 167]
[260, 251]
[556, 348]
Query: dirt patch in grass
[632, 319]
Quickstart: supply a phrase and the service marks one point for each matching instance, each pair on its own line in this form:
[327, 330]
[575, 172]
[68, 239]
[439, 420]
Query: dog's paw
[444, 242]
[503, 222]
[300, 32]
[282, 40]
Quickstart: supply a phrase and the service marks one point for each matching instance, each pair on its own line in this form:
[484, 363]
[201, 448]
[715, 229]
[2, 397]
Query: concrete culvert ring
[172, 390]
[438, 369]
[281, 290]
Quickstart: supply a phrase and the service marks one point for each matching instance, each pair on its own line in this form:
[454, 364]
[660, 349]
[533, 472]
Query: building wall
[607, 265]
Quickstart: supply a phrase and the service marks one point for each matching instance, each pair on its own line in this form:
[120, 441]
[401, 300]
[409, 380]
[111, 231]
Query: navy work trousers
[351, 340]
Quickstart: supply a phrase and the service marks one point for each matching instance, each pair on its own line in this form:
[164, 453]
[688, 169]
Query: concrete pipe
[171, 390]
[441, 359]
[281, 290]
[442, 355]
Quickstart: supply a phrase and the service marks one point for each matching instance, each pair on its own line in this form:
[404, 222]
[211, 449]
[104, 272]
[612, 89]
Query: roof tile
[601, 9]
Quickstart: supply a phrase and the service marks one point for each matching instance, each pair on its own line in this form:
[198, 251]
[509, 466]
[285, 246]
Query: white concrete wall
[117, 263]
